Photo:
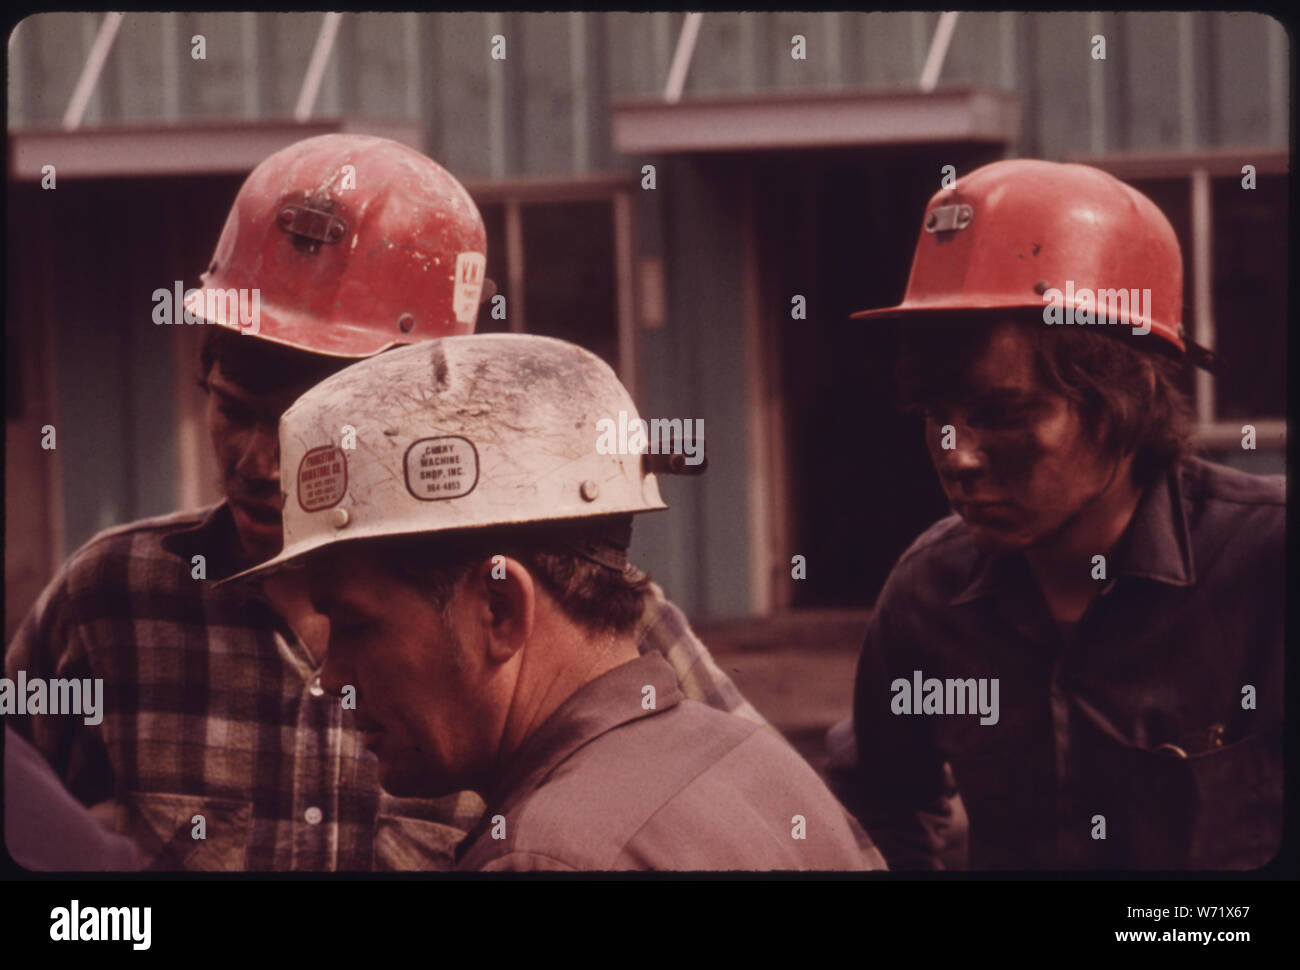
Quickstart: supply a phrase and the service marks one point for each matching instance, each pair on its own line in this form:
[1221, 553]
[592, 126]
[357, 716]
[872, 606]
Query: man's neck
[1063, 563]
[287, 594]
[558, 670]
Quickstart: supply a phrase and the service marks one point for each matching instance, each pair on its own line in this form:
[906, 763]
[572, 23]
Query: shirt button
[313, 815]
[315, 688]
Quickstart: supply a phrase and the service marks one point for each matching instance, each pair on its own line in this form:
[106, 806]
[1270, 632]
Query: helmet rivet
[286, 216]
[336, 231]
[406, 322]
[589, 490]
[339, 517]
[1041, 287]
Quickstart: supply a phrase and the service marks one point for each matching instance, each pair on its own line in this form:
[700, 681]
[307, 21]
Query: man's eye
[348, 628]
[998, 417]
[235, 414]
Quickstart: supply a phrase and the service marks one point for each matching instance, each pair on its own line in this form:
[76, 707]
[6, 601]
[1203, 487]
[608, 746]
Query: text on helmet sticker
[469, 286]
[438, 468]
[322, 478]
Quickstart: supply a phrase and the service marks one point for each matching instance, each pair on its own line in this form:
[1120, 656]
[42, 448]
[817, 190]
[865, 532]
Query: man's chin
[996, 540]
[261, 540]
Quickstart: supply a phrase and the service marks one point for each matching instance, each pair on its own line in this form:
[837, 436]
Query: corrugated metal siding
[1170, 80]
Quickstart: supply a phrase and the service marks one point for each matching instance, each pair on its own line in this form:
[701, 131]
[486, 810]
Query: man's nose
[261, 457]
[965, 459]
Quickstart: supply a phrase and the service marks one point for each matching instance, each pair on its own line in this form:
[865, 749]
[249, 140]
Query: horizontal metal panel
[810, 120]
[191, 149]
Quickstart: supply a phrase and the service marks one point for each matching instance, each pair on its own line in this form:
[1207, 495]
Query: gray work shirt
[609, 783]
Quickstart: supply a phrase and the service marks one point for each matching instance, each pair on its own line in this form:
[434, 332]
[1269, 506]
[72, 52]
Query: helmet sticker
[469, 285]
[322, 478]
[438, 468]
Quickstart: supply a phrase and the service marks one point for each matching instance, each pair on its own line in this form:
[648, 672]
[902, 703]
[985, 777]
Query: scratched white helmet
[458, 433]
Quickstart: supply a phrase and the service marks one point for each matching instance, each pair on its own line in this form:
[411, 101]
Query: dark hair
[260, 366]
[1129, 391]
[594, 596]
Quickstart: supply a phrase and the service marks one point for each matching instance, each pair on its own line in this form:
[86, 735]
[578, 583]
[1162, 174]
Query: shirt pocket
[403, 844]
[1219, 809]
[164, 826]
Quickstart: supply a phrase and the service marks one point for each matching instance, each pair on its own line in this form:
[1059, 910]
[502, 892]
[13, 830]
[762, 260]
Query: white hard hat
[459, 433]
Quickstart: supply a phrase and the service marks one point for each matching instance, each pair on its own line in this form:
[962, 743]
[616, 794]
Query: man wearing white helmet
[470, 554]
[217, 748]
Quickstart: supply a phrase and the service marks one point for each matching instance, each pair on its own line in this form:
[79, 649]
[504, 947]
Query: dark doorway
[839, 228]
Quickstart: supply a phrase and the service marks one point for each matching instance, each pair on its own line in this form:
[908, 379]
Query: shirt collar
[214, 537]
[614, 698]
[1156, 545]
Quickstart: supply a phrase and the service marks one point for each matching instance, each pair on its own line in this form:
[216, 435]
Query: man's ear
[509, 603]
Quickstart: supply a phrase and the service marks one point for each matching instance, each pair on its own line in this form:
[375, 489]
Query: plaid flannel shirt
[212, 707]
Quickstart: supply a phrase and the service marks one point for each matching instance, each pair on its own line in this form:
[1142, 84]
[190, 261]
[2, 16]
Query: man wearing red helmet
[1087, 656]
[218, 748]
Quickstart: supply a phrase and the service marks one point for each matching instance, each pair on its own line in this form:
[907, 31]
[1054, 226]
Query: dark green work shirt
[1147, 736]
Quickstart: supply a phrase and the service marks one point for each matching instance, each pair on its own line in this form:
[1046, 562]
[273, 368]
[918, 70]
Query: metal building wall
[1170, 80]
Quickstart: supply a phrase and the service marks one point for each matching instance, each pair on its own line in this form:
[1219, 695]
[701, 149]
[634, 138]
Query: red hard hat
[353, 244]
[1024, 234]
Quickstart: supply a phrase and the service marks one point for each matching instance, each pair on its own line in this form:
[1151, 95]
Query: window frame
[1198, 168]
[614, 188]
